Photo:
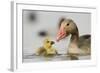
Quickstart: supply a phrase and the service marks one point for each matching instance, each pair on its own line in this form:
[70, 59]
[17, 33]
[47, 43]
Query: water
[34, 58]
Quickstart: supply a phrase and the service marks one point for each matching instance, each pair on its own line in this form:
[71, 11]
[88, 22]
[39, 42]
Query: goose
[79, 45]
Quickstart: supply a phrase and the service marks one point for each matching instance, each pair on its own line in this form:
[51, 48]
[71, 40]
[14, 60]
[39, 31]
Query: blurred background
[39, 24]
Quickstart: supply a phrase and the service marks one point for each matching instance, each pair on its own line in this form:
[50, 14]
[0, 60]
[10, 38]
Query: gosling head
[48, 43]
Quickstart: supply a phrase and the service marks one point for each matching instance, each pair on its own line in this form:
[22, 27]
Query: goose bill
[61, 34]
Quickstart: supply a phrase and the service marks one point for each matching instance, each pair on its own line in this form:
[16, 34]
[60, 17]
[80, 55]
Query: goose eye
[68, 24]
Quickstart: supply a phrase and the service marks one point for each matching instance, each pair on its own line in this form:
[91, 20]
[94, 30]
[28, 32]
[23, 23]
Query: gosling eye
[47, 41]
[68, 24]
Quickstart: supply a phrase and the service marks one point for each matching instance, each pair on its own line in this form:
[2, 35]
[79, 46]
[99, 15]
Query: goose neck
[74, 38]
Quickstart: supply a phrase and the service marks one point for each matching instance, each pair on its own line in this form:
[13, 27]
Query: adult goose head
[67, 27]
